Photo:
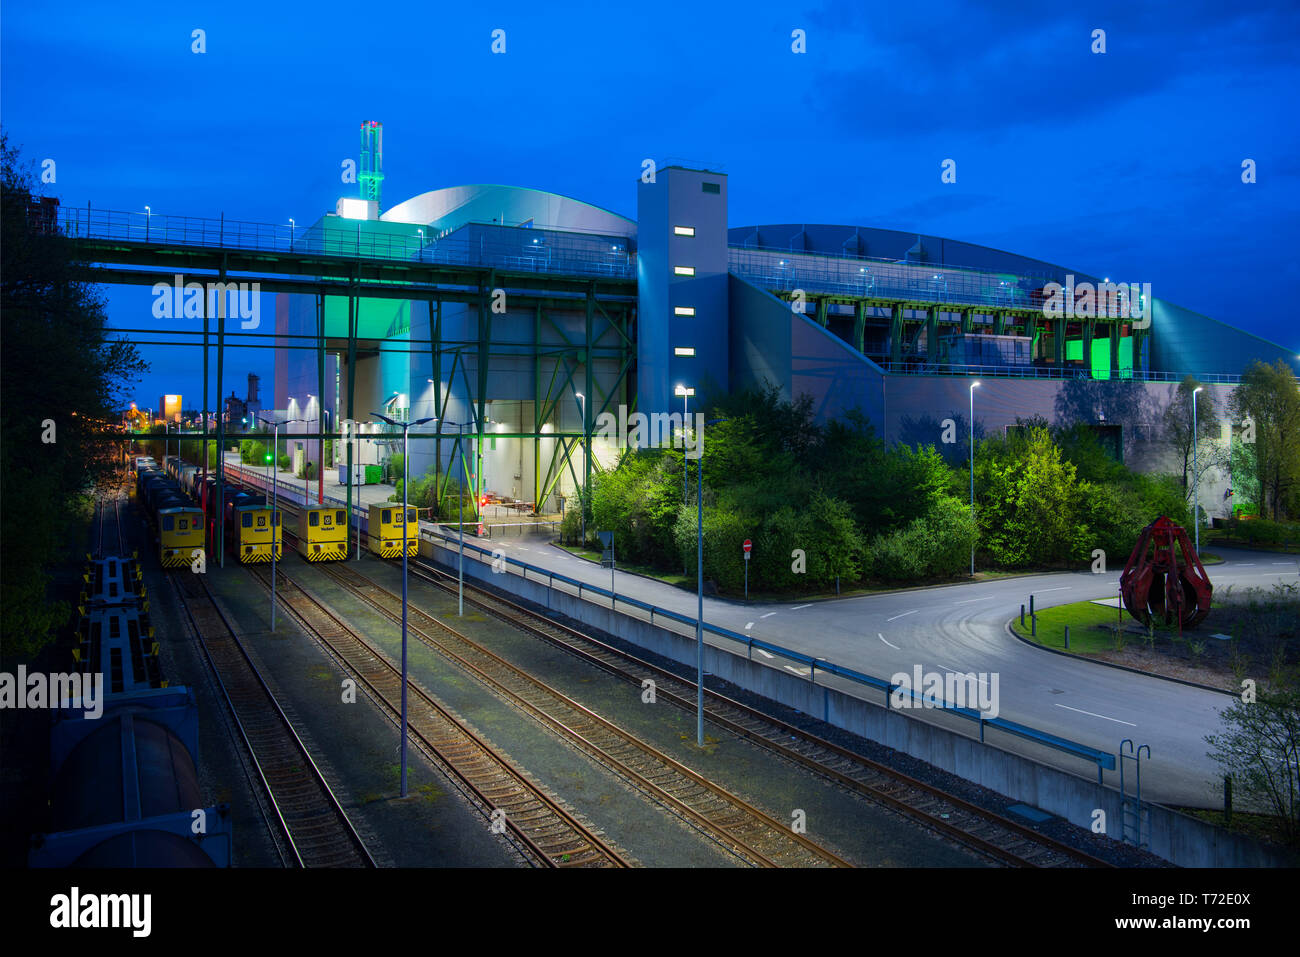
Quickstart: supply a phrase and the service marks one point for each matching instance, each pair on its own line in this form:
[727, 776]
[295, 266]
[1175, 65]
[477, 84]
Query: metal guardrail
[881, 278]
[921, 366]
[1104, 760]
[557, 252]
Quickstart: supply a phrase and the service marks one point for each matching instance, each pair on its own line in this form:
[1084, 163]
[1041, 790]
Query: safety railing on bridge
[550, 251]
[1104, 760]
[880, 278]
[919, 365]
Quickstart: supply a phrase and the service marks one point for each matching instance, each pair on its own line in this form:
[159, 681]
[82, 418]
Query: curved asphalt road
[962, 628]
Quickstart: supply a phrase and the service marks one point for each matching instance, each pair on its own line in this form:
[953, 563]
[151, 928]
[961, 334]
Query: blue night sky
[1125, 164]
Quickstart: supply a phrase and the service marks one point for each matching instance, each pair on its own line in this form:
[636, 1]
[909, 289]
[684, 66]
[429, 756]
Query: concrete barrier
[1176, 837]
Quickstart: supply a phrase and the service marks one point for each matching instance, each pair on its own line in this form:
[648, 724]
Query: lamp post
[699, 595]
[1196, 485]
[406, 472]
[973, 386]
[291, 229]
[275, 514]
[582, 503]
[148, 214]
[682, 391]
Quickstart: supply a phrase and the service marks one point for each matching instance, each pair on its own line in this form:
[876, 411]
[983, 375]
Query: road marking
[959, 671]
[1062, 588]
[801, 672]
[797, 607]
[969, 600]
[1251, 564]
[764, 653]
[904, 614]
[1284, 563]
[749, 626]
[1102, 716]
[882, 638]
[768, 615]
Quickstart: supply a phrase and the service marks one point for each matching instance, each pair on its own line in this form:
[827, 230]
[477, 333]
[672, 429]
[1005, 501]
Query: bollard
[1022, 614]
[1033, 624]
[1067, 637]
[1031, 606]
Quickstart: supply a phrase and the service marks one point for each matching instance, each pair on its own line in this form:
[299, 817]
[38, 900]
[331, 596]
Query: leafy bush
[936, 545]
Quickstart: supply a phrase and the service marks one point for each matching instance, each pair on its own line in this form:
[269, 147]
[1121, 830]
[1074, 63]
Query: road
[963, 628]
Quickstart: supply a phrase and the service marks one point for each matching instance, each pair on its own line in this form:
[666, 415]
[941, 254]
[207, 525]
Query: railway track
[313, 823]
[539, 825]
[745, 830]
[997, 837]
[104, 540]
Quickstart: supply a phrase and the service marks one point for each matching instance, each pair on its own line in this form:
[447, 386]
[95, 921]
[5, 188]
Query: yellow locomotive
[252, 530]
[384, 534]
[180, 535]
[323, 533]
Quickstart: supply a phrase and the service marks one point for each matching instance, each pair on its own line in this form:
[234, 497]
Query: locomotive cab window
[387, 516]
[313, 518]
[338, 517]
[410, 515]
[168, 523]
[248, 520]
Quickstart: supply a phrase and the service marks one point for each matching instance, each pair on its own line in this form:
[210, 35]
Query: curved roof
[453, 206]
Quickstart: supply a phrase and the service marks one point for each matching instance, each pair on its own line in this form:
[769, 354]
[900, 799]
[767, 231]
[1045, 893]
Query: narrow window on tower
[684, 351]
[683, 310]
[684, 270]
[683, 230]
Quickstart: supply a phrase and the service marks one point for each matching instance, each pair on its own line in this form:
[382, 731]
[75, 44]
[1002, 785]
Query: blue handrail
[1104, 760]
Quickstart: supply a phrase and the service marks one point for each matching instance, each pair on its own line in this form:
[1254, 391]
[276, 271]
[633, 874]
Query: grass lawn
[1089, 631]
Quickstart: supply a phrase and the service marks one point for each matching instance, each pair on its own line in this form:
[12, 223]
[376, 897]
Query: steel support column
[896, 332]
[859, 324]
[320, 397]
[221, 418]
[352, 391]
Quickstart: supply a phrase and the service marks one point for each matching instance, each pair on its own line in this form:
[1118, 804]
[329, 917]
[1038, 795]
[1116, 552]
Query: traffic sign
[747, 546]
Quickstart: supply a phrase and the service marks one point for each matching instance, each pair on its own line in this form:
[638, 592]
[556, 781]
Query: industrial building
[549, 311]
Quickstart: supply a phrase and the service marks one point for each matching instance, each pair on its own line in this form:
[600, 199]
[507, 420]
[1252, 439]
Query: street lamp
[148, 214]
[406, 472]
[291, 229]
[1196, 485]
[699, 593]
[275, 514]
[586, 453]
[973, 386]
[685, 394]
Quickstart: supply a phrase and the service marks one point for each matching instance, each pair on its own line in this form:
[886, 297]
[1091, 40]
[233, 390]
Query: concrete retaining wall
[1176, 837]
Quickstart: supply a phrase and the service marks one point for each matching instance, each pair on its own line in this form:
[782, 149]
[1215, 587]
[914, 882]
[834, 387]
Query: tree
[1270, 396]
[63, 376]
[1260, 748]
[1177, 421]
